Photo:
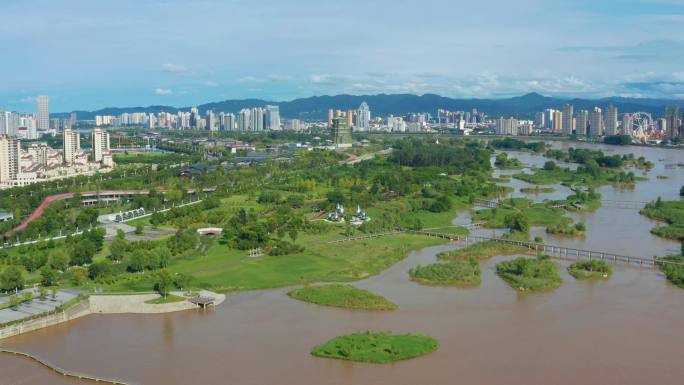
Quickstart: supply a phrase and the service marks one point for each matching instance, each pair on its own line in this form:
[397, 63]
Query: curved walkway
[62, 371]
[38, 212]
[135, 303]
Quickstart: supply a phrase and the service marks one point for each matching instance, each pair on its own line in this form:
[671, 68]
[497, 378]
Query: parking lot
[34, 306]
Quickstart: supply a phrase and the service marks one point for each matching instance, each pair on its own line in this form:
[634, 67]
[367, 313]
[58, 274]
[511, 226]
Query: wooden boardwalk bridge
[554, 251]
[630, 205]
[533, 248]
[64, 372]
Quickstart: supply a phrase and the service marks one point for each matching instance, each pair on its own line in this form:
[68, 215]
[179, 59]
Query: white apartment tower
[272, 118]
[9, 160]
[595, 123]
[611, 123]
[581, 123]
[363, 117]
[507, 126]
[42, 113]
[100, 144]
[71, 145]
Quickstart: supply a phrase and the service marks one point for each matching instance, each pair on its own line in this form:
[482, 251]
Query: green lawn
[170, 298]
[226, 269]
[341, 295]
[376, 347]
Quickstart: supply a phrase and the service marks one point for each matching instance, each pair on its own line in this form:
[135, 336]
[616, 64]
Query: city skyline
[137, 53]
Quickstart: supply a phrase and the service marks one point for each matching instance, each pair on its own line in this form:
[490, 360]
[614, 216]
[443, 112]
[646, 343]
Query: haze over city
[89, 55]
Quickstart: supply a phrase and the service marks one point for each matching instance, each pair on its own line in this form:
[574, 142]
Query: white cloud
[163, 91]
[175, 68]
[27, 99]
[251, 79]
[211, 84]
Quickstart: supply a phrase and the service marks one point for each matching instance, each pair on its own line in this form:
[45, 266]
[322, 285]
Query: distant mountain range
[316, 107]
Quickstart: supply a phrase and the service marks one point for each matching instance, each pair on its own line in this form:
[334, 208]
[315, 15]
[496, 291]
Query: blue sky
[88, 54]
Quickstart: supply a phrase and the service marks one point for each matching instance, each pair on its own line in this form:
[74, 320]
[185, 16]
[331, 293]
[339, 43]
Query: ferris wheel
[639, 124]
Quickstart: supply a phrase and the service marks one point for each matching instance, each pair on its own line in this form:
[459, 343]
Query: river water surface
[626, 330]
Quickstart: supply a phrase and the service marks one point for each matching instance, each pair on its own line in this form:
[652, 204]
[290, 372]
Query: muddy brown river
[626, 330]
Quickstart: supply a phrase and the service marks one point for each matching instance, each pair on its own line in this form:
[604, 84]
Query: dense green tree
[118, 249]
[182, 281]
[11, 279]
[517, 222]
[48, 276]
[82, 252]
[163, 282]
[98, 269]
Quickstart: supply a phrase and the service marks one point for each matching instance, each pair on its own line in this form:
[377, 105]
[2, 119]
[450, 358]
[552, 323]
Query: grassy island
[567, 229]
[593, 269]
[674, 271]
[502, 161]
[455, 273]
[340, 295]
[535, 214]
[540, 274]
[594, 168]
[671, 212]
[376, 347]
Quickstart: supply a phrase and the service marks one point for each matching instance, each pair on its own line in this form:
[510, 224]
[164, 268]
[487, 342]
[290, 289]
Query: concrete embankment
[104, 304]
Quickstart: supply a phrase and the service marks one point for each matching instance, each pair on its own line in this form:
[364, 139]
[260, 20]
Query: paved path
[38, 212]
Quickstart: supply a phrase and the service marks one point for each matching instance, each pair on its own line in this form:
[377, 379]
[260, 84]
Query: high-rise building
[611, 121]
[581, 123]
[341, 132]
[557, 121]
[548, 118]
[100, 144]
[363, 117]
[568, 119]
[506, 126]
[626, 126]
[539, 119]
[257, 123]
[330, 117]
[673, 124]
[42, 113]
[4, 122]
[71, 145]
[73, 119]
[272, 118]
[227, 122]
[9, 159]
[293, 125]
[195, 119]
[212, 123]
[244, 120]
[595, 123]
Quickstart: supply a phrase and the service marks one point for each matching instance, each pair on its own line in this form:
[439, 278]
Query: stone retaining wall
[79, 310]
[103, 304]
